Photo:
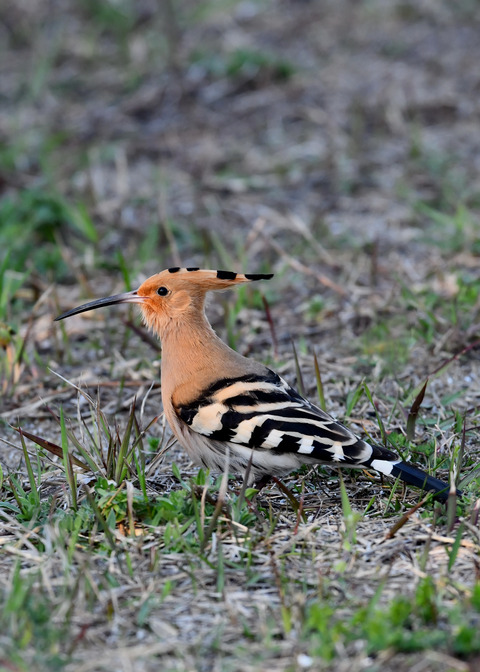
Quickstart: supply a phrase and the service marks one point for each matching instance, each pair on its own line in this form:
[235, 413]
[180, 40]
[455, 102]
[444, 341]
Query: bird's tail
[416, 477]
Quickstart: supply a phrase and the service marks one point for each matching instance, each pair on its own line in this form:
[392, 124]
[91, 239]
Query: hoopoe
[226, 409]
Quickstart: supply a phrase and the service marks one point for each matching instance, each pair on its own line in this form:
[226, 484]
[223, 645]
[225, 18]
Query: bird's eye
[162, 291]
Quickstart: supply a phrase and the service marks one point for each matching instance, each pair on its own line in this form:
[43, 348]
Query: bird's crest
[208, 279]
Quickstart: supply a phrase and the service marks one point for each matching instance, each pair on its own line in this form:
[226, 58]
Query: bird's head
[169, 296]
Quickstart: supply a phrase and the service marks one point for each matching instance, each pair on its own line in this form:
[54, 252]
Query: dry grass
[334, 143]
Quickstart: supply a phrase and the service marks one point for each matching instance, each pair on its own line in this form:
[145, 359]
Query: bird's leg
[262, 482]
[265, 480]
[287, 492]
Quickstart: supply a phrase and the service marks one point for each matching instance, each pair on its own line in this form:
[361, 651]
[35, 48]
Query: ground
[335, 144]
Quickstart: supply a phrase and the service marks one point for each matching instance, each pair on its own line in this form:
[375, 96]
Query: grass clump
[244, 65]
[403, 624]
[33, 631]
[33, 224]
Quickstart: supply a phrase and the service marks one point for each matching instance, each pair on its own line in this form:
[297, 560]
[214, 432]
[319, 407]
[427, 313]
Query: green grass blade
[452, 555]
[31, 476]
[318, 376]
[67, 463]
[352, 399]
[124, 270]
[300, 385]
[121, 467]
[100, 519]
[392, 492]
[379, 419]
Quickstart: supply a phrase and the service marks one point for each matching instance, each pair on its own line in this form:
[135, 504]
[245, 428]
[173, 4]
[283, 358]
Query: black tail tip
[419, 479]
[258, 276]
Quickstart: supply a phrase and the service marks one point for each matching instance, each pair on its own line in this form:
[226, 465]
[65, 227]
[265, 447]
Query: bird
[230, 411]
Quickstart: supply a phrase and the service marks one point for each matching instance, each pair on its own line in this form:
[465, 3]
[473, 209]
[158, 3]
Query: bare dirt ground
[336, 143]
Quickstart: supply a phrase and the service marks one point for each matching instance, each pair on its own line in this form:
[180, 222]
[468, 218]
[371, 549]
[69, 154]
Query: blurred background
[335, 143]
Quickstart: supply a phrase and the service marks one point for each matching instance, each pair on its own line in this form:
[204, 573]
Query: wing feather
[264, 413]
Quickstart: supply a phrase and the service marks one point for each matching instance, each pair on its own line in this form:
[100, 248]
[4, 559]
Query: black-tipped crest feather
[226, 275]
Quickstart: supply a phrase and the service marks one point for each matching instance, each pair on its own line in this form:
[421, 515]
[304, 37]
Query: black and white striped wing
[264, 413]
[269, 421]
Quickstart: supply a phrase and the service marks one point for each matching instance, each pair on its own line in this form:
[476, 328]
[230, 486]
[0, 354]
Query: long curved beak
[127, 297]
